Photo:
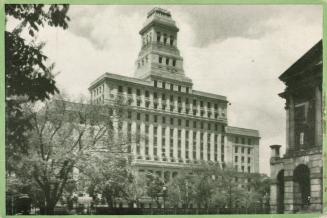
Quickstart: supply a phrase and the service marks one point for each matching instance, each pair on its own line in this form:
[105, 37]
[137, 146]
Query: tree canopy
[28, 77]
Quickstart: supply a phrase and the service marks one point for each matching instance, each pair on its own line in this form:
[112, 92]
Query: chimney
[275, 152]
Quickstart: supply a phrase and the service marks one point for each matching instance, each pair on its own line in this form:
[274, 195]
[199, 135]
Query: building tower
[297, 175]
[159, 56]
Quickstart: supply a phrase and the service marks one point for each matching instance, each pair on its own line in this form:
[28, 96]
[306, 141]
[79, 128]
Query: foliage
[210, 186]
[28, 77]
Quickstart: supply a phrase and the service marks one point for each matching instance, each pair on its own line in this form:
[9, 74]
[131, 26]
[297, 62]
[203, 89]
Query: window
[138, 103]
[249, 150]
[172, 121]
[163, 85]
[216, 127]
[179, 122]
[171, 42]
[179, 88]
[249, 169]
[174, 62]
[194, 124]
[202, 125]
[155, 83]
[208, 105]
[163, 119]
[249, 141]
[209, 126]
[236, 159]
[167, 61]
[138, 116]
[179, 99]
[147, 94]
[242, 159]
[171, 87]
[236, 140]
[129, 90]
[171, 98]
[147, 117]
[249, 160]
[129, 114]
[165, 38]
[187, 123]
[138, 92]
[158, 36]
[187, 89]
[120, 89]
[155, 130]
[201, 103]
[155, 118]
[163, 97]
[216, 106]
[160, 59]
[236, 149]
[155, 95]
[242, 150]
[243, 140]
[194, 102]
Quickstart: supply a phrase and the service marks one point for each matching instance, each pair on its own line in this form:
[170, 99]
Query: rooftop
[148, 83]
[242, 131]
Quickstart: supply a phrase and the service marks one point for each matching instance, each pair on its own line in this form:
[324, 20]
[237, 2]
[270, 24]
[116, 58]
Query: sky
[236, 51]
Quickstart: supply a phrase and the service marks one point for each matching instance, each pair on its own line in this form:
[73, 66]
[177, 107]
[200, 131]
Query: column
[142, 139]
[159, 139]
[183, 142]
[197, 144]
[291, 133]
[273, 196]
[318, 117]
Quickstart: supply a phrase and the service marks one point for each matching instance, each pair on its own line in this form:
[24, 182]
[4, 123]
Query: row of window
[175, 121]
[98, 90]
[179, 143]
[242, 169]
[242, 140]
[188, 101]
[163, 38]
[242, 159]
[242, 150]
[171, 86]
[166, 60]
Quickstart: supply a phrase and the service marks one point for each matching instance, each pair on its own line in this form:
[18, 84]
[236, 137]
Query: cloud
[236, 51]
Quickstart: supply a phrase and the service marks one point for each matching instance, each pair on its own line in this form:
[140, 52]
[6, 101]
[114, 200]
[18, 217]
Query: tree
[154, 188]
[65, 135]
[183, 190]
[27, 76]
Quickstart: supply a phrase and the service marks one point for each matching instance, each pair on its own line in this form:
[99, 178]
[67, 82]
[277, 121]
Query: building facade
[181, 126]
[297, 175]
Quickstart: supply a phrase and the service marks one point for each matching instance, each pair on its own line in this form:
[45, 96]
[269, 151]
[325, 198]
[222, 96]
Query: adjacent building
[297, 176]
[181, 126]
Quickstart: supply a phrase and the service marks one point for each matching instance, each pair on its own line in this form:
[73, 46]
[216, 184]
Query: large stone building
[297, 175]
[182, 126]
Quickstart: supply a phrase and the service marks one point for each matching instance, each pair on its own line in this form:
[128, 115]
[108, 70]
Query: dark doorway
[301, 180]
[280, 192]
